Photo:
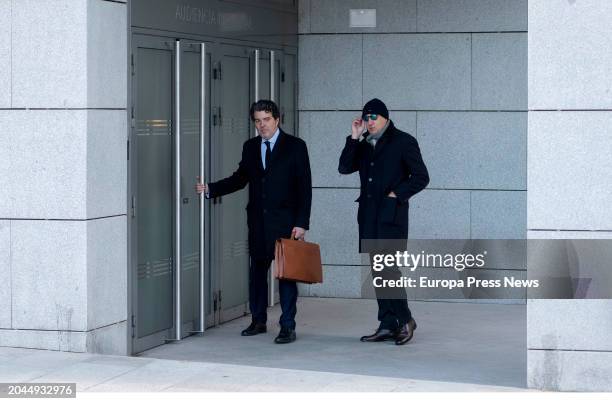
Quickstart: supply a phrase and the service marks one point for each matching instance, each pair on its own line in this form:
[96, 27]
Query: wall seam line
[11, 52]
[408, 32]
[471, 218]
[362, 72]
[356, 187]
[309, 17]
[571, 110]
[11, 266]
[575, 230]
[569, 350]
[416, 16]
[65, 220]
[450, 111]
[471, 71]
[73, 331]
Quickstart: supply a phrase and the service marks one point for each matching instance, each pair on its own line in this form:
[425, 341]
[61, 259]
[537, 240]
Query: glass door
[169, 224]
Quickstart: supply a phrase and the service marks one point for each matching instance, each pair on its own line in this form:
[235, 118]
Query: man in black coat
[276, 167]
[391, 171]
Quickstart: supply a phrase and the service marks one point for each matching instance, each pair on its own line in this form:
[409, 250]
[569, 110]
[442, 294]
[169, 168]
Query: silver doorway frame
[205, 256]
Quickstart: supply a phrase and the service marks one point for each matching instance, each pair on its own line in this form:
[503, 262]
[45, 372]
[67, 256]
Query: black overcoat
[279, 197]
[395, 164]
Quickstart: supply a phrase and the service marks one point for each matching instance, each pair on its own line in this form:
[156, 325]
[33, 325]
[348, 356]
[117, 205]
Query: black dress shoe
[254, 329]
[285, 336]
[406, 332]
[382, 334]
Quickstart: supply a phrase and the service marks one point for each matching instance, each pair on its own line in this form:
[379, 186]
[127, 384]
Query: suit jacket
[394, 165]
[279, 197]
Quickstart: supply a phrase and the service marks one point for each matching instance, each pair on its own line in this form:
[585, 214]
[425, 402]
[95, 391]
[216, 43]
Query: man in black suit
[391, 171]
[276, 167]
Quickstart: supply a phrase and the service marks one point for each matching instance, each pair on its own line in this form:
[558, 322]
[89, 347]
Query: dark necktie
[268, 153]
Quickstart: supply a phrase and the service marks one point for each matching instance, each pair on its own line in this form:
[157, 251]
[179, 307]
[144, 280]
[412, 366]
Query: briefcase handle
[293, 238]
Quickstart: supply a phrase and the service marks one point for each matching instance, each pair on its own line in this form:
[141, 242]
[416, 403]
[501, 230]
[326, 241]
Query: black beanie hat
[375, 106]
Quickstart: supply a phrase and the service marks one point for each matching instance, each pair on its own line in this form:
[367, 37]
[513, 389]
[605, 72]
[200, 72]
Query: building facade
[98, 209]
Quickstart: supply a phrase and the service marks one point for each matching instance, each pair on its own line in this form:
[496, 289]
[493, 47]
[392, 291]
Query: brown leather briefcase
[297, 260]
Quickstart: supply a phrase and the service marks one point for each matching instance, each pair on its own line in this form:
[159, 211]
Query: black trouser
[393, 311]
[258, 294]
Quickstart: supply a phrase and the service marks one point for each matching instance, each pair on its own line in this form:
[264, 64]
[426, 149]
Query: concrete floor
[457, 347]
[455, 342]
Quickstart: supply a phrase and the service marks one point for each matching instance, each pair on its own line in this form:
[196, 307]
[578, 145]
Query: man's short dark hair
[265, 106]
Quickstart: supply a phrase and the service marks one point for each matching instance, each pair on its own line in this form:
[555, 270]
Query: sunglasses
[367, 117]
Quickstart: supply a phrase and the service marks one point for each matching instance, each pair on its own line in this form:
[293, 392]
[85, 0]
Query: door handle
[202, 231]
[177, 192]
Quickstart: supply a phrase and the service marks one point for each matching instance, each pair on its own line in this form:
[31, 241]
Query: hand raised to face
[357, 128]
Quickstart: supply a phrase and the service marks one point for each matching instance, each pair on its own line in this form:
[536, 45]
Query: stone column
[63, 175]
[569, 187]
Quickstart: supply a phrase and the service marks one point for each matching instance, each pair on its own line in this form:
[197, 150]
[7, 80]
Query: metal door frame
[223, 315]
[271, 55]
[213, 46]
[136, 344]
[203, 49]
